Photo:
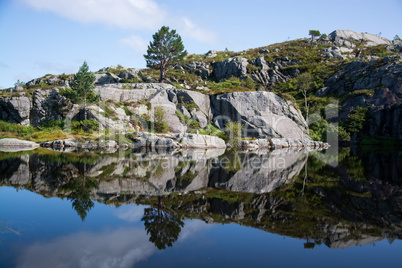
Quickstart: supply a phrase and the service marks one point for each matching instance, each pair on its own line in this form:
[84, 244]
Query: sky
[41, 37]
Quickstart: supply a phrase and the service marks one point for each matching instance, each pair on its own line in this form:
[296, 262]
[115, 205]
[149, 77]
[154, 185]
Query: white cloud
[136, 42]
[133, 14]
[189, 28]
[129, 14]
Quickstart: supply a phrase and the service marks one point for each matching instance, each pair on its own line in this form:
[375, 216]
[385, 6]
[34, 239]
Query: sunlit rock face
[263, 115]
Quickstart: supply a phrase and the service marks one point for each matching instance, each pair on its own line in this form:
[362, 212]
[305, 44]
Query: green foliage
[234, 131]
[52, 124]
[85, 125]
[64, 76]
[252, 68]
[355, 120]
[127, 111]
[213, 131]
[192, 124]
[314, 33]
[83, 81]
[19, 83]
[320, 129]
[18, 129]
[362, 92]
[165, 50]
[190, 105]
[160, 125]
[231, 84]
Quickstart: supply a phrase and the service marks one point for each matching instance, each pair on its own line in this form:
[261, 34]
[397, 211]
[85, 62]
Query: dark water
[285, 208]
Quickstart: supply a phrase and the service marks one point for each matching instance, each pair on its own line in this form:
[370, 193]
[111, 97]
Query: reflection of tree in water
[4, 228]
[163, 227]
[80, 195]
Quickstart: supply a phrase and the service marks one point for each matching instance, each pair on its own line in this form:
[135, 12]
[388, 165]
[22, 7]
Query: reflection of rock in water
[353, 210]
[258, 173]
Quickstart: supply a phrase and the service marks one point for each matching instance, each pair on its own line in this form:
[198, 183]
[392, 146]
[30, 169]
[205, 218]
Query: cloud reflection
[117, 248]
[122, 247]
[130, 213]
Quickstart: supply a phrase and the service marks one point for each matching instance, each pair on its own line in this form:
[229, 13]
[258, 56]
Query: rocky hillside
[256, 87]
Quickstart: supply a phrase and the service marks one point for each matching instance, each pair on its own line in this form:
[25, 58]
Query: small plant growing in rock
[234, 131]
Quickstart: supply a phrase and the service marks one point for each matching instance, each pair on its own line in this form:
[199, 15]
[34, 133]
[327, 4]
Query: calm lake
[340, 207]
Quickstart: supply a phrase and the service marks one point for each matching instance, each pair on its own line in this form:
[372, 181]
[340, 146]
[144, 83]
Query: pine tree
[165, 50]
[82, 84]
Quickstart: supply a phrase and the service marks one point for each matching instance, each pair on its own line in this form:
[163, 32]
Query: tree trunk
[306, 104]
[162, 76]
[85, 106]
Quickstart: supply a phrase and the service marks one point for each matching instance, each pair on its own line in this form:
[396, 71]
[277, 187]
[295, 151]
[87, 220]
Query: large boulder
[48, 105]
[236, 67]
[188, 140]
[12, 145]
[107, 78]
[263, 114]
[199, 68]
[347, 37]
[16, 110]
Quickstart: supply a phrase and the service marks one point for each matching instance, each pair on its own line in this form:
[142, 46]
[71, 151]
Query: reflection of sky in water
[111, 248]
[109, 237]
[53, 235]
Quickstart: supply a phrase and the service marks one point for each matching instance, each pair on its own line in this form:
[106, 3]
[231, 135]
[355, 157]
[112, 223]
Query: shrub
[355, 120]
[85, 125]
[234, 131]
[159, 120]
[52, 124]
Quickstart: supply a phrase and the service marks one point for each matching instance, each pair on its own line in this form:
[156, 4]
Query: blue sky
[55, 36]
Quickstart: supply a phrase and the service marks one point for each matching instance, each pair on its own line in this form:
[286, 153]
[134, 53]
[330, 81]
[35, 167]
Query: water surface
[180, 208]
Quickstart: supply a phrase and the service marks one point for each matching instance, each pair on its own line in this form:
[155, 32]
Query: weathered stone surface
[199, 68]
[108, 78]
[16, 110]
[129, 74]
[384, 79]
[211, 54]
[236, 67]
[337, 53]
[263, 114]
[188, 140]
[13, 145]
[48, 105]
[347, 37]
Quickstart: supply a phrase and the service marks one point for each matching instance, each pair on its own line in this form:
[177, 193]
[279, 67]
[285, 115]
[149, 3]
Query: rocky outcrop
[263, 115]
[16, 110]
[339, 53]
[376, 84]
[236, 67]
[200, 68]
[48, 105]
[347, 38]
